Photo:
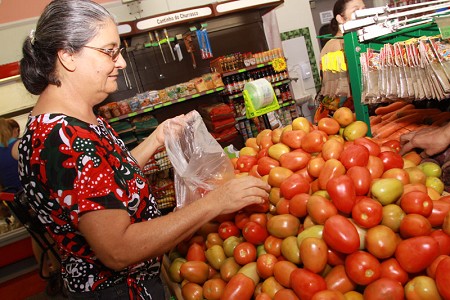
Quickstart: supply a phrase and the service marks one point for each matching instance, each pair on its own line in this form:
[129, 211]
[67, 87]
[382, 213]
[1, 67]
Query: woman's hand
[238, 193]
[175, 124]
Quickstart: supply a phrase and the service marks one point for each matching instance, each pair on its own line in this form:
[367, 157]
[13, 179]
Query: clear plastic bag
[199, 162]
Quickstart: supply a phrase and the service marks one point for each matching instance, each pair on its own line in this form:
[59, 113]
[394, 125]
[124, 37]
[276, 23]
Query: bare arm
[431, 140]
[118, 244]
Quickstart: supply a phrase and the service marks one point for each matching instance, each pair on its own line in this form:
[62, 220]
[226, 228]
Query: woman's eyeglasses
[113, 53]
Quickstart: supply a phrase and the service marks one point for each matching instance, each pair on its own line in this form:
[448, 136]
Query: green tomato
[387, 190]
[435, 183]
[313, 231]
[431, 169]
[230, 243]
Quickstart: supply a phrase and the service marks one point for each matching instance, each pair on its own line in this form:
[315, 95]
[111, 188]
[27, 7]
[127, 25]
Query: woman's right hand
[238, 193]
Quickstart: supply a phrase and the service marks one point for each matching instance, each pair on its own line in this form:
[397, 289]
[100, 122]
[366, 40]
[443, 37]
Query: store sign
[177, 17]
[326, 17]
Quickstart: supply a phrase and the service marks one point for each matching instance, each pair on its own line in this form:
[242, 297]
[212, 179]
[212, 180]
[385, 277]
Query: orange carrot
[392, 115]
[382, 110]
[424, 111]
[374, 120]
[411, 127]
[391, 127]
[441, 119]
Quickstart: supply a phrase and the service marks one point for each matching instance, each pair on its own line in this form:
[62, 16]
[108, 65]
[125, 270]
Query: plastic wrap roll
[260, 93]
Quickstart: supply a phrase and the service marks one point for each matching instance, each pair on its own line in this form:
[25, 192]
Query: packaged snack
[217, 80]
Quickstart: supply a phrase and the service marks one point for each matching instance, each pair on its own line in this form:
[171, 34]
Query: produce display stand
[174, 288]
[353, 49]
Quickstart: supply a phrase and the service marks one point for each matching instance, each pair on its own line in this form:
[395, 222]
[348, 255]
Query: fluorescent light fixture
[235, 5]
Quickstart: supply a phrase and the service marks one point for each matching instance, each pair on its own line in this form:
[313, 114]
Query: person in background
[9, 154]
[335, 92]
[88, 188]
[431, 140]
[15, 127]
[9, 179]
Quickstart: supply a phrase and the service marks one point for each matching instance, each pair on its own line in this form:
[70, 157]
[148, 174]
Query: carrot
[441, 119]
[382, 110]
[393, 113]
[425, 111]
[374, 120]
[411, 127]
[391, 127]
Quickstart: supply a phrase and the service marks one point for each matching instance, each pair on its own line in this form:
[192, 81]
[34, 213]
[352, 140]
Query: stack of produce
[346, 219]
[397, 118]
[220, 121]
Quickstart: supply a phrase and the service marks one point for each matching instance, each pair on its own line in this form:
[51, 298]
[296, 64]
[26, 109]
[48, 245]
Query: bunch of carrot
[397, 118]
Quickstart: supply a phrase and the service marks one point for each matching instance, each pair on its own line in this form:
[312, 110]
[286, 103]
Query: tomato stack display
[347, 218]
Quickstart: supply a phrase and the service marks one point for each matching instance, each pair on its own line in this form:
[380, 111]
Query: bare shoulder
[331, 46]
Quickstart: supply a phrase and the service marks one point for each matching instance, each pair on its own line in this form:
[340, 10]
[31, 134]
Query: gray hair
[64, 24]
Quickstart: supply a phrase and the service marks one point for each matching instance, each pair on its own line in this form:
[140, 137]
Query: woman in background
[335, 91]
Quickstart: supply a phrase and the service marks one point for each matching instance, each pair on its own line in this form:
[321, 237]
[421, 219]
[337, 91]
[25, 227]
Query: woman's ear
[67, 60]
[340, 19]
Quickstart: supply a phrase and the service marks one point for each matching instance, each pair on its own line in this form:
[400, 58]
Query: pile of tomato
[348, 217]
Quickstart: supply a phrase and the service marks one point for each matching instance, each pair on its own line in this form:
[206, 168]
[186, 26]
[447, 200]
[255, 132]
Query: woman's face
[99, 70]
[350, 8]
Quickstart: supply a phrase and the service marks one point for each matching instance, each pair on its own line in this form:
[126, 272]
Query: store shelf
[249, 68]
[164, 104]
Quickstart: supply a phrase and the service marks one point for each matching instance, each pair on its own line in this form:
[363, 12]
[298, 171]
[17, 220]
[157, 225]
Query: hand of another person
[431, 140]
[238, 193]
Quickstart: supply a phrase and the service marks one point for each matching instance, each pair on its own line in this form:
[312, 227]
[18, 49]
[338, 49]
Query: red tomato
[239, 287]
[295, 160]
[297, 205]
[332, 149]
[443, 278]
[440, 210]
[384, 288]
[443, 239]
[282, 226]
[272, 245]
[338, 280]
[414, 225]
[362, 267]
[260, 218]
[227, 229]
[374, 148]
[213, 288]
[282, 272]
[313, 254]
[306, 283]
[367, 212]
[313, 142]
[315, 166]
[328, 295]
[417, 253]
[241, 218]
[265, 164]
[320, 209]
[391, 160]
[340, 234]
[244, 253]
[342, 192]
[196, 252]
[277, 175]
[354, 155]
[390, 268]
[400, 174]
[265, 265]
[246, 162]
[285, 294]
[431, 269]
[293, 185]
[292, 138]
[361, 179]
[254, 233]
[195, 271]
[332, 168]
[328, 125]
[192, 291]
[381, 241]
[375, 166]
[262, 153]
[335, 258]
[394, 144]
[417, 202]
